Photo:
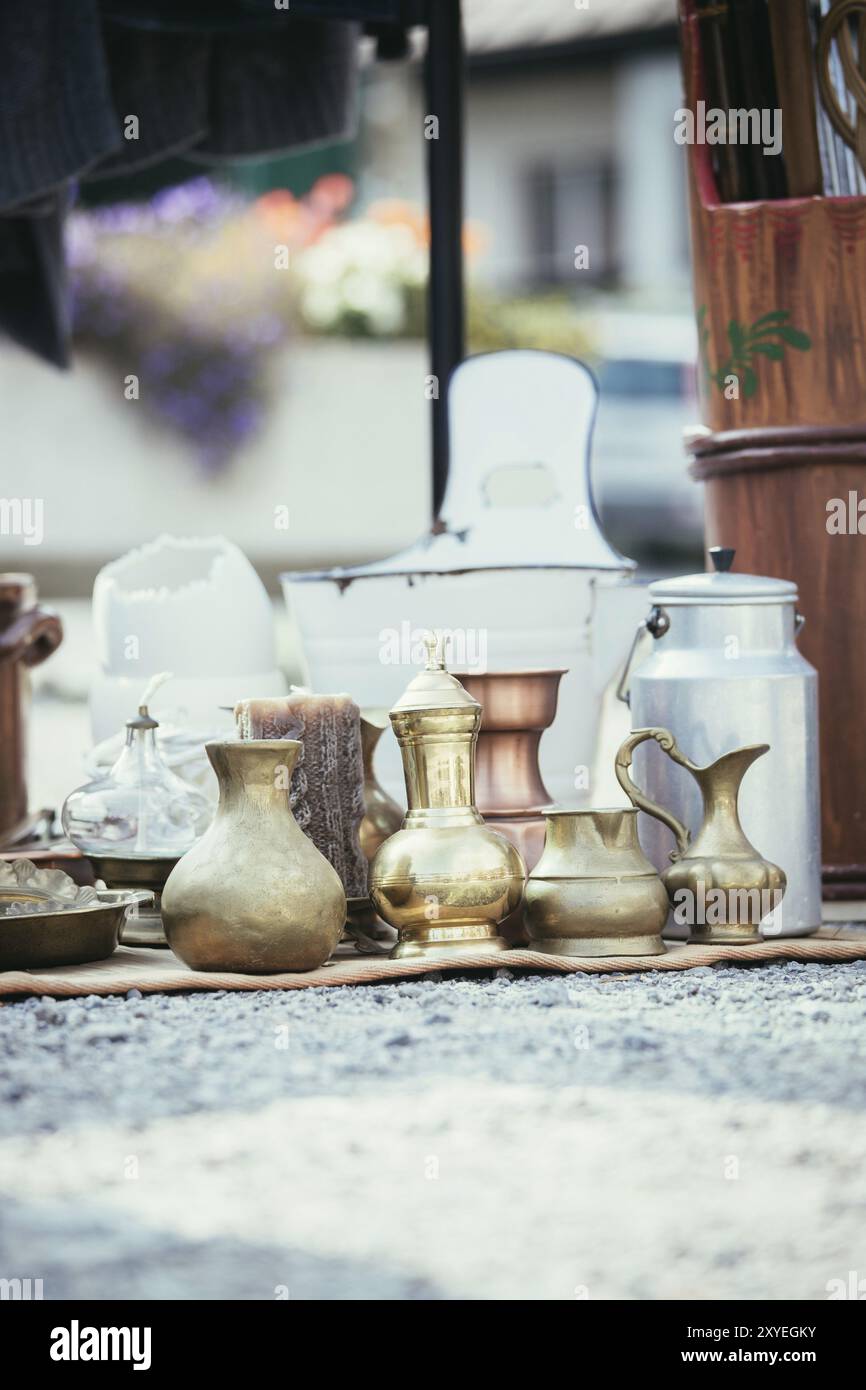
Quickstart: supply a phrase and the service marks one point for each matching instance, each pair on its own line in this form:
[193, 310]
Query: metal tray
[69, 937]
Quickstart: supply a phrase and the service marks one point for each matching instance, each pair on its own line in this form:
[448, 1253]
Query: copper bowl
[517, 707]
[515, 700]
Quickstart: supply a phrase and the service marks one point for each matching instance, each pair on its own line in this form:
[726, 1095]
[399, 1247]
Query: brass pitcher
[445, 880]
[593, 892]
[382, 815]
[719, 885]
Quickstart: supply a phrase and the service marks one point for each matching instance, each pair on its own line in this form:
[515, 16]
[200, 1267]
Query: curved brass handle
[665, 739]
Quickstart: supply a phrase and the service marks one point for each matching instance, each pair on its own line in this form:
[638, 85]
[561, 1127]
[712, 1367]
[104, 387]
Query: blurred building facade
[569, 141]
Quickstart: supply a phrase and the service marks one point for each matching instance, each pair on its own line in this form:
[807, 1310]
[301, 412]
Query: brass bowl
[144, 927]
[69, 936]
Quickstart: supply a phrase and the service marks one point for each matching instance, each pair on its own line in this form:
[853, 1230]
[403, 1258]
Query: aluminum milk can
[723, 670]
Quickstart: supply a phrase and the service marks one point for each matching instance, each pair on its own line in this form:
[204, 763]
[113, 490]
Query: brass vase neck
[373, 725]
[721, 831]
[254, 770]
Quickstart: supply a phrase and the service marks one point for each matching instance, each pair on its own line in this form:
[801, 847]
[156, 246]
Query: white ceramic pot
[194, 607]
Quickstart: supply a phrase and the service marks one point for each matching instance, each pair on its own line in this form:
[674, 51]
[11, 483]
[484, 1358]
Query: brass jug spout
[723, 777]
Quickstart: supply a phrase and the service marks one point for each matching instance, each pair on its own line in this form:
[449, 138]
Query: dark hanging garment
[287, 93]
[56, 116]
[159, 96]
[91, 90]
[34, 299]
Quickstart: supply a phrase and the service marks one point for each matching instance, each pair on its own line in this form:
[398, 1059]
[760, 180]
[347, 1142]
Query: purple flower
[202, 367]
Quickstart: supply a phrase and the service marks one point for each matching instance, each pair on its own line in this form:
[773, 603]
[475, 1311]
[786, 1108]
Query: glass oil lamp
[134, 823]
[445, 880]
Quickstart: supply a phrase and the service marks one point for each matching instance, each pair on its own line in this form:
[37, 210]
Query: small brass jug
[719, 885]
[593, 892]
[445, 880]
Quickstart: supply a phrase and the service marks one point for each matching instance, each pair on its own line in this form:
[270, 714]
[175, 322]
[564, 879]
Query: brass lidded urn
[254, 895]
[445, 880]
[593, 892]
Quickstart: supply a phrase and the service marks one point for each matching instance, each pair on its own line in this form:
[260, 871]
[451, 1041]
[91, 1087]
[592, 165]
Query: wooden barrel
[766, 494]
[780, 296]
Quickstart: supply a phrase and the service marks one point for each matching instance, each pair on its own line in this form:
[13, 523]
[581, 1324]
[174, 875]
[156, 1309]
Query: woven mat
[159, 971]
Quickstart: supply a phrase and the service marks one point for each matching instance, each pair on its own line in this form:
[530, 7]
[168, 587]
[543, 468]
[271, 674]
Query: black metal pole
[444, 76]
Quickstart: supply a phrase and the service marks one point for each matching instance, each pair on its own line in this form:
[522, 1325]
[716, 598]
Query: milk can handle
[665, 739]
[656, 623]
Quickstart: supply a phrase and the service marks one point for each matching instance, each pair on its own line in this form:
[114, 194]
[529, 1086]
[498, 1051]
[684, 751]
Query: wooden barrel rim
[761, 450]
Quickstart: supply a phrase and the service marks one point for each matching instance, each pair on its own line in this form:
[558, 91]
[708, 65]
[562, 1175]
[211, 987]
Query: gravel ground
[654, 1136]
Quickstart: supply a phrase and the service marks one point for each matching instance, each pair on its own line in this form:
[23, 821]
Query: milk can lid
[721, 587]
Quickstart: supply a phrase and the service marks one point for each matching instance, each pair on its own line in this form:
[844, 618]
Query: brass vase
[593, 892]
[517, 707]
[382, 815]
[445, 880]
[718, 881]
[254, 895]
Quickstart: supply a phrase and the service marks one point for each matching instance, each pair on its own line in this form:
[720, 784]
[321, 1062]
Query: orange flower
[332, 193]
[395, 212]
[476, 239]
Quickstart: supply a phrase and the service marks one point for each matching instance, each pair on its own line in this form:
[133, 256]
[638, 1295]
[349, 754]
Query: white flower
[321, 306]
[379, 301]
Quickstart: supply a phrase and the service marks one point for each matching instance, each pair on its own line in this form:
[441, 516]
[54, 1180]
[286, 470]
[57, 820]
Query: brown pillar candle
[327, 787]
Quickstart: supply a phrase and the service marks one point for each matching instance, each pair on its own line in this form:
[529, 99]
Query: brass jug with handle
[593, 892]
[719, 885]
